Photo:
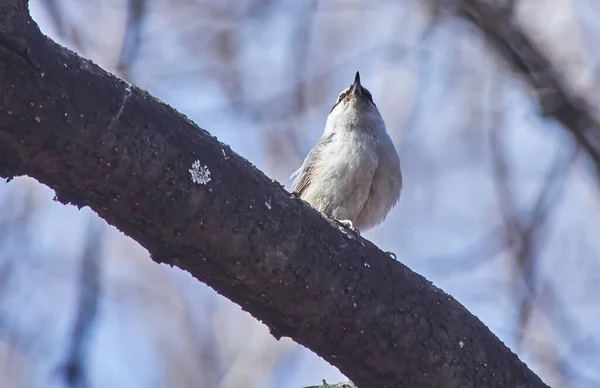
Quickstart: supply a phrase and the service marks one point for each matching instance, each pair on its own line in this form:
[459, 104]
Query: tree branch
[100, 142]
[132, 39]
[89, 289]
[555, 97]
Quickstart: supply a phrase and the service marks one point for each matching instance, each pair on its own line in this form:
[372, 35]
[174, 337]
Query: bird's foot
[348, 224]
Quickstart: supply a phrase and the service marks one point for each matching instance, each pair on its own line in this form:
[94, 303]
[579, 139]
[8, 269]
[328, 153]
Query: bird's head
[355, 109]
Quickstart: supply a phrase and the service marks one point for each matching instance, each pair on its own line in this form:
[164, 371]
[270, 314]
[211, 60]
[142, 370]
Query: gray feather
[303, 176]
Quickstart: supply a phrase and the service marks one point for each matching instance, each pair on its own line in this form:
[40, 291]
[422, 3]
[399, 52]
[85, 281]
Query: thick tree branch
[100, 142]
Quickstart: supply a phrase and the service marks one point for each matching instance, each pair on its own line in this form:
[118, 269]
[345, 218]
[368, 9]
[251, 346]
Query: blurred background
[500, 208]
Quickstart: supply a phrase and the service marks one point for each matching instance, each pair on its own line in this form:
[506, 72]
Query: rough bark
[100, 142]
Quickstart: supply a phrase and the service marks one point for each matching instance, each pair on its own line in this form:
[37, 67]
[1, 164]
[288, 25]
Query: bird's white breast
[344, 177]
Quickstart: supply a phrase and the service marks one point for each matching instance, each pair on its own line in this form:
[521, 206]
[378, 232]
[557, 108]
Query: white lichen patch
[200, 174]
[268, 205]
[461, 344]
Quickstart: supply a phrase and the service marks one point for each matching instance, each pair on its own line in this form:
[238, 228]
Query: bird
[353, 172]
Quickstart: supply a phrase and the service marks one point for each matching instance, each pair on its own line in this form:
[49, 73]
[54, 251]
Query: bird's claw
[348, 224]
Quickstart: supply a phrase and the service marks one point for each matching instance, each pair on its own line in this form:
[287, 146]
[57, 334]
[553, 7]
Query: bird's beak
[356, 86]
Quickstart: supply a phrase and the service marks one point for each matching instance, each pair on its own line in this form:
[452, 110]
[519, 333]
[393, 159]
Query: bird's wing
[303, 177]
[385, 188]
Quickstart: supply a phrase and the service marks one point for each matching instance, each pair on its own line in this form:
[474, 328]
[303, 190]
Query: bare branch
[556, 99]
[525, 260]
[89, 290]
[136, 11]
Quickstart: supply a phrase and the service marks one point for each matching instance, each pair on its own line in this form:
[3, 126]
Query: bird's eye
[340, 98]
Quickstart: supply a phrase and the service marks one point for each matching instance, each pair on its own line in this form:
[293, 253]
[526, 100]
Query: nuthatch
[353, 172]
